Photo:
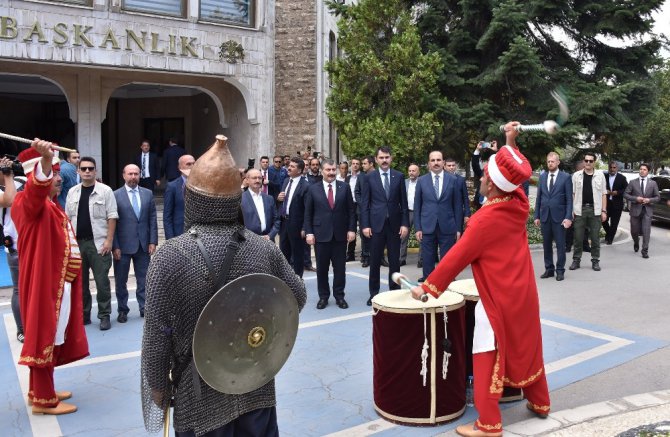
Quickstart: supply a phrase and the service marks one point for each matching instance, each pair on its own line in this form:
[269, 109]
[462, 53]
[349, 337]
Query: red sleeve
[29, 203]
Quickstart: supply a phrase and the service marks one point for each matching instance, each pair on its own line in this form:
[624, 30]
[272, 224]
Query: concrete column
[89, 117]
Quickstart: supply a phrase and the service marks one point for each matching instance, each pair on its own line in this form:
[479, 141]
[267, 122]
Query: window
[239, 12]
[77, 2]
[663, 183]
[164, 7]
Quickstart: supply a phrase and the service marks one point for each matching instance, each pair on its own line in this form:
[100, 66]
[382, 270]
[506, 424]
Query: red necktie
[265, 187]
[331, 201]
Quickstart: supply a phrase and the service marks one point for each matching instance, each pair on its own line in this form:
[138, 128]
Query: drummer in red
[507, 346]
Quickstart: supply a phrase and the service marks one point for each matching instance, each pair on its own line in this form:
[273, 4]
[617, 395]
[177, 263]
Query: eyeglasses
[278, 162]
[85, 169]
[588, 160]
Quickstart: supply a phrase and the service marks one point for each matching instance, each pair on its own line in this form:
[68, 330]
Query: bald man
[135, 238]
[173, 202]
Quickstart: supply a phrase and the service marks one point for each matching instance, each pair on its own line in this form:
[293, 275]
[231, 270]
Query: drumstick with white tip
[405, 282]
[27, 141]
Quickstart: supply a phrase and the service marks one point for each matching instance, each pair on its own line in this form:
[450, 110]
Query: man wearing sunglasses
[589, 207]
[91, 207]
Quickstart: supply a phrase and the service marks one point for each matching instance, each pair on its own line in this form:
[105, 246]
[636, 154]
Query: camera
[251, 162]
[15, 166]
[486, 145]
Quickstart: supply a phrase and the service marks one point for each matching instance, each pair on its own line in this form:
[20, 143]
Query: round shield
[245, 333]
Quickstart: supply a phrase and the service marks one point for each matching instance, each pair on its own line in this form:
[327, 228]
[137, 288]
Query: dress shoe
[471, 431]
[636, 246]
[105, 324]
[141, 313]
[310, 268]
[321, 304]
[608, 242]
[62, 395]
[574, 265]
[595, 265]
[547, 274]
[560, 276]
[365, 264]
[369, 302]
[645, 255]
[122, 318]
[384, 262]
[61, 408]
[403, 263]
[540, 414]
[342, 304]
[421, 279]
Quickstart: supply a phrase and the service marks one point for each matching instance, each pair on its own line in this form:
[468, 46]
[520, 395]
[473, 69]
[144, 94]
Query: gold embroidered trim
[432, 288]
[525, 382]
[496, 382]
[544, 408]
[497, 200]
[47, 353]
[46, 402]
[41, 184]
[496, 427]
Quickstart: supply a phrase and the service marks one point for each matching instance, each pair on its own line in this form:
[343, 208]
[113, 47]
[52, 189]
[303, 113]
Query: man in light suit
[173, 201]
[438, 211]
[291, 234]
[330, 223]
[135, 238]
[553, 211]
[642, 194]
[384, 217]
[148, 162]
[616, 184]
[258, 209]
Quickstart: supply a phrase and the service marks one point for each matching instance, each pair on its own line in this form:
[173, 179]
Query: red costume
[496, 245]
[46, 262]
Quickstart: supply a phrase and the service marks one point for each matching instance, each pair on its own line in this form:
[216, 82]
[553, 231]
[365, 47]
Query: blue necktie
[387, 189]
[436, 185]
[136, 205]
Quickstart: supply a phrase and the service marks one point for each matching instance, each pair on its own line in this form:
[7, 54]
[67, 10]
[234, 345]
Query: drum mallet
[27, 141]
[549, 126]
[405, 282]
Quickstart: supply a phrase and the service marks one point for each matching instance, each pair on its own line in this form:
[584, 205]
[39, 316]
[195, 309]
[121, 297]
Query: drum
[468, 289]
[415, 381]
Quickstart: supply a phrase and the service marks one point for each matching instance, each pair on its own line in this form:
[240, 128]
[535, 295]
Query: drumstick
[405, 282]
[27, 141]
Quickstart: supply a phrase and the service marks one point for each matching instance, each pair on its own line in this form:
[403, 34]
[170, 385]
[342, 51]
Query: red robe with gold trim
[44, 249]
[495, 243]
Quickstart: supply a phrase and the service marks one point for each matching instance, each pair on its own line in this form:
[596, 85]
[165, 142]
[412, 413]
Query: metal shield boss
[245, 333]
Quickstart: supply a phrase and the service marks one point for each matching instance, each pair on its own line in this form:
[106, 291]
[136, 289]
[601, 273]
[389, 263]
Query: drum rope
[445, 354]
[424, 351]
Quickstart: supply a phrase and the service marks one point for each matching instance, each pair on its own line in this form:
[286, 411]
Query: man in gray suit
[135, 238]
[553, 211]
[642, 194]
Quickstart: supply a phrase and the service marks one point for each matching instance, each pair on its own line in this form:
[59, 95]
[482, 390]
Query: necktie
[265, 187]
[284, 206]
[136, 205]
[331, 201]
[551, 183]
[387, 189]
[144, 165]
[436, 185]
[642, 186]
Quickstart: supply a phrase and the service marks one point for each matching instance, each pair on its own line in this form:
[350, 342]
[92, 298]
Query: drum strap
[424, 350]
[446, 349]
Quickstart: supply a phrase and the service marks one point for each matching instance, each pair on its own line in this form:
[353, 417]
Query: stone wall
[295, 75]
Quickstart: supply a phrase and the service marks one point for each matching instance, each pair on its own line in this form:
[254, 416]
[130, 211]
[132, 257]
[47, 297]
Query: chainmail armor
[178, 288]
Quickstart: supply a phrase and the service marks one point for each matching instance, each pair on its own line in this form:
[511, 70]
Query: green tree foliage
[383, 87]
[501, 58]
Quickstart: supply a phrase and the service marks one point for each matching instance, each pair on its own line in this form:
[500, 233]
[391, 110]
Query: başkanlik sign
[78, 35]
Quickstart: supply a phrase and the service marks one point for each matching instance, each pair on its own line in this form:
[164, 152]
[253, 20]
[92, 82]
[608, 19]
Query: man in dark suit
[258, 209]
[616, 184]
[148, 162]
[352, 180]
[553, 212]
[451, 166]
[171, 157]
[173, 201]
[438, 211]
[313, 175]
[384, 217]
[368, 166]
[135, 238]
[291, 234]
[329, 224]
[642, 194]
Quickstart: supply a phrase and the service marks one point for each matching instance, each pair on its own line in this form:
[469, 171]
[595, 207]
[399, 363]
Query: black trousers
[256, 423]
[326, 253]
[293, 248]
[390, 239]
[148, 183]
[612, 223]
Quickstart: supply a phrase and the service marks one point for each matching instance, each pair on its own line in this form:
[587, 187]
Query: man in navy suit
[291, 234]
[149, 165]
[171, 157]
[438, 211]
[384, 217]
[173, 201]
[553, 211]
[135, 238]
[330, 223]
[616, 184]
[258, 209]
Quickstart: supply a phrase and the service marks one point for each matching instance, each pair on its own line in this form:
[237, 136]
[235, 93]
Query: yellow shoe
[470, 431]
[61, 408]
[62, 395]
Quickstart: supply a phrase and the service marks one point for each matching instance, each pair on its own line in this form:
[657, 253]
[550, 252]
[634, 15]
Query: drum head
[245, 333]
[402, 301]
[466, 287]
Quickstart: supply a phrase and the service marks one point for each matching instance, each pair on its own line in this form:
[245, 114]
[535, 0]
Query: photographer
[479, 152]
[10, 236]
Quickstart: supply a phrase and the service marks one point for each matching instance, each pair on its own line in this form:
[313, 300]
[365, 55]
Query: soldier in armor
[180, 284]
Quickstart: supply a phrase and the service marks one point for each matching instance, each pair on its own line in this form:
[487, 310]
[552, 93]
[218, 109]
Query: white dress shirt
[260, 208]
[549, 173]
[145, 164]
[440, 183]
[325, 188]
[411, 189]
[294, 185]
[352, 184]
